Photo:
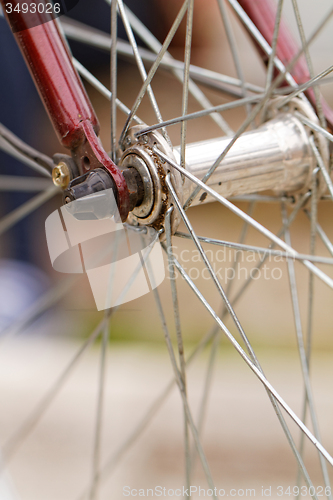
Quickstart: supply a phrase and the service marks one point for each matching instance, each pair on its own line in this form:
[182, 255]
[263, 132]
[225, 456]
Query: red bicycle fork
[68, 106]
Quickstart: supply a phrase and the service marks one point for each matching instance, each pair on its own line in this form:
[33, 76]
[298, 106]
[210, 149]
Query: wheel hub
[157, 200]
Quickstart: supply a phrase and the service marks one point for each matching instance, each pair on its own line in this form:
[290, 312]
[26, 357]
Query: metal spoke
[102, 89]
[314, 207]
[114, 459]
[239, 132]
[78, 31]
[181, 387]
[323, 236]
[232, 313]
[261, 41]
[180, 344]
[314, 126]
[322, 166]
[277, 410]
[81, 32]
[42, 161]
[270, 66]
[233, 47]
[53, 296]
[195, 91]
[187, 60]
[326, 279]
[305, 47]
[45, 302]
[294, 60]
[256, 269]
[27, 208]
[206, 261]
[11, 149]
[95, 480]
[96, 464]
[261, 198]
[19, 183]
[204, 112]
[154, 67]
[316, 32]
[139, 64]
[305, 86]
[99, 413]
[206, 391]
[256, 110]
[301, 350]
[12, 444]
[327, 80]
[254, 368]
[284, 71]
[113, 80]
[261, 250]
[216, 342]
[237, 256]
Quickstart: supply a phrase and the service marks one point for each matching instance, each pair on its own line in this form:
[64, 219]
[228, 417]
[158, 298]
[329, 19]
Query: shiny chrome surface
[277, 156]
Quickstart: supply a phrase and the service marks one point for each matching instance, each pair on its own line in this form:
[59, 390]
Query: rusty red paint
[49, 62]
[62, 93]
[101, 157]
[262, 13]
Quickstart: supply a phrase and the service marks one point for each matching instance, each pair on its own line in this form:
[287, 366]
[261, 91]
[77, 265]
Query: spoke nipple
[61, 175]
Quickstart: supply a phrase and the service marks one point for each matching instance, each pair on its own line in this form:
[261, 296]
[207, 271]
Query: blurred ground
[242, 438]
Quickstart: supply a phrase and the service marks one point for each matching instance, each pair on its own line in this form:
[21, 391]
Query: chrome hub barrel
[277, 156]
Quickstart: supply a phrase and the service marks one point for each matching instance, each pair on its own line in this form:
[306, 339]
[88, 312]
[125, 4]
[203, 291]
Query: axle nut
[61, 175]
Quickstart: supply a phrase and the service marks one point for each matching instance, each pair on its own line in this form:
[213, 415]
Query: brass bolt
[61, 175]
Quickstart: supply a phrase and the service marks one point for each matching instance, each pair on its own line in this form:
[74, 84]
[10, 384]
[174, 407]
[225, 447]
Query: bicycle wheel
[242, 282]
